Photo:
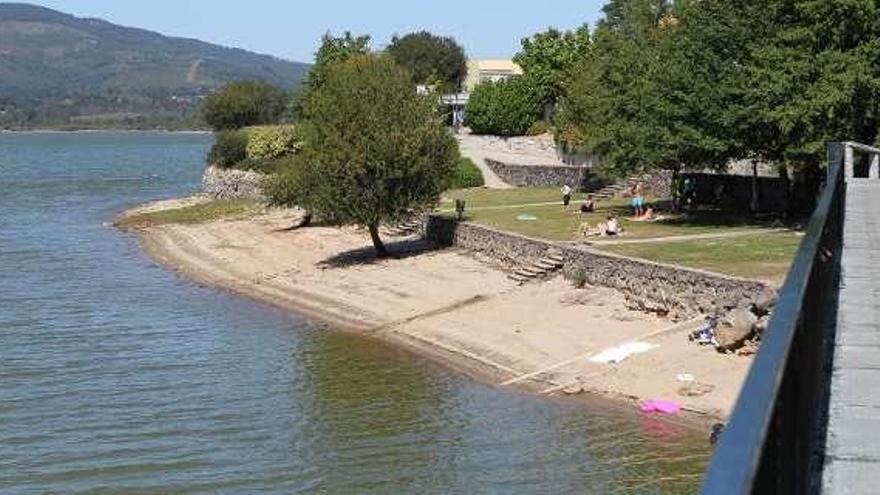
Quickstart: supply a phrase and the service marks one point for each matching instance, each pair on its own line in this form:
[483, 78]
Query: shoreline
[450, 306]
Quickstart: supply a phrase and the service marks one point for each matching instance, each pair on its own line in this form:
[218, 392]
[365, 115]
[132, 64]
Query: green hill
[57, 70]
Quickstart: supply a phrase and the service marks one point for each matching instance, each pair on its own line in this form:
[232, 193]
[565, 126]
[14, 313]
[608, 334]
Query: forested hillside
[57, 70]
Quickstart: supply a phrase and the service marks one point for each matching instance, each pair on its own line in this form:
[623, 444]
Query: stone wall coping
[563, 245]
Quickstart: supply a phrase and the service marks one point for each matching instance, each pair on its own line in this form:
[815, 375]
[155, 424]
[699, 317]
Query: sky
[291, 29]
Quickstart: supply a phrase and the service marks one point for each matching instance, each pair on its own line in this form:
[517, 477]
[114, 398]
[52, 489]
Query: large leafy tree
[548, 59]
[243, 104]
[333, 49]
[616, 105]
[374, 151]
[431, 58]
[702, 82]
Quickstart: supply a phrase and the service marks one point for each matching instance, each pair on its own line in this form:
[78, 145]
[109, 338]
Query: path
[690, 237]
[852, 458]
[472, 148]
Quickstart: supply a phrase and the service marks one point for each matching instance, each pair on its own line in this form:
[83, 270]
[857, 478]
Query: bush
[577, 276]
[271, 142]
[466, 175]
[230, 149]
[506, 108]
[243, 104]
[538, 128]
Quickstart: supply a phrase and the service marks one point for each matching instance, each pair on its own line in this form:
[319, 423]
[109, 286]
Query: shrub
[230, 149]
[538, 128]
[243, 104]
[577, 276]
[506, 108]
[466, 175]
[271, 142]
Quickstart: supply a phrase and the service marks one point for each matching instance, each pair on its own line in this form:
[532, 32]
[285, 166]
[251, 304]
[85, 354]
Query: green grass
[762, 257]
[555, 224]
[480, 198]
[199, 213]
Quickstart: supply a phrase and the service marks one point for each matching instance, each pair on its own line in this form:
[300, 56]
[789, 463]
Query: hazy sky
[291, 29]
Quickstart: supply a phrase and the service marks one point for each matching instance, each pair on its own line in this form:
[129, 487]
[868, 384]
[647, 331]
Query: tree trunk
[381, 252]
[754, 205]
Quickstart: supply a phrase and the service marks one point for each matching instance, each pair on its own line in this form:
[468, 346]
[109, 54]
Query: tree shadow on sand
[367, 255]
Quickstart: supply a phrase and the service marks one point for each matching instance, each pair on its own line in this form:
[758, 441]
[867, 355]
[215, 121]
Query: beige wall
[482, 70]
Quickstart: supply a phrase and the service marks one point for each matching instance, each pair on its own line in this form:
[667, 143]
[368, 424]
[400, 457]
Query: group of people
[642, 212]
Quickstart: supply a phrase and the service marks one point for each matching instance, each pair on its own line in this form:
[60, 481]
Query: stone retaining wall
[543, 175]
[222, 183]
[678, 292]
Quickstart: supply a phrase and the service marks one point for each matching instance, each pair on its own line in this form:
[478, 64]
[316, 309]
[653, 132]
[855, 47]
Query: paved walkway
[852, 462]
[472, 148]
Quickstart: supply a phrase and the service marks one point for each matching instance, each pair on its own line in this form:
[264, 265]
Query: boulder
[764, 303]
[735, 328]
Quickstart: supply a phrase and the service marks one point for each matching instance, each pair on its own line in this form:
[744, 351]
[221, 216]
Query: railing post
[848, 162]
[835, 157]
[874, 170]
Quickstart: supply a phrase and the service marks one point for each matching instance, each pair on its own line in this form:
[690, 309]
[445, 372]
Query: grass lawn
[763, 257]
[555, 224]
[481, 198]
[199, 213]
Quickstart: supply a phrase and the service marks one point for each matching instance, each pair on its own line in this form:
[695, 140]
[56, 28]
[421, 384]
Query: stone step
[530, 272]
[546, 265]
[518, 278]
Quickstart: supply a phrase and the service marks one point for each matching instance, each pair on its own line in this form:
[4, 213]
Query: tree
[431, 59]
[374, 149]
[504, 108]
[549, 59]
[333, 49]
[243, 104]
[617, 105]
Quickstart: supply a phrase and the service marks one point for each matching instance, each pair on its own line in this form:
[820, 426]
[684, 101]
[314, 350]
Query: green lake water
[117, 376]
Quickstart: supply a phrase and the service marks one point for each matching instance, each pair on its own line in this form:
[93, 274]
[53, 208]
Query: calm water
[119, 377]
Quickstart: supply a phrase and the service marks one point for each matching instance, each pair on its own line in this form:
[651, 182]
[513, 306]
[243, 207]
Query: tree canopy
[431, 58]
[549, 58]
[374, 149]
[243, 104]
[699, 83]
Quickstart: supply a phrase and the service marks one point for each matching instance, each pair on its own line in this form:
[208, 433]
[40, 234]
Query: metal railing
[775, 437]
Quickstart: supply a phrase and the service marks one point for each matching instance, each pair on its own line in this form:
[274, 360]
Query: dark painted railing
[775, 436]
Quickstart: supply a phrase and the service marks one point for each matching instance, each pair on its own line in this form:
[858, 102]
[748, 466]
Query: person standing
[566, 196]
[638, 199]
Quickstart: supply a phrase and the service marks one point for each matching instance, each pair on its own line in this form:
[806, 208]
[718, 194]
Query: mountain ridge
[57, 69]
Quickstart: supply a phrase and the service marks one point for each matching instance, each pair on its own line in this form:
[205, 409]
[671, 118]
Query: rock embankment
[229, 183]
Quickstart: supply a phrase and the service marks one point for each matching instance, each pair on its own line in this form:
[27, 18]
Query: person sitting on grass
[589, 205]
[648, 216]
[608, 228]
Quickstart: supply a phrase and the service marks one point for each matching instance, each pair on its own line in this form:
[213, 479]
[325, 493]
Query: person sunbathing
[608, 228]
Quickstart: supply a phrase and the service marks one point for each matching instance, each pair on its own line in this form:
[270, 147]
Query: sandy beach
[454, 307]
